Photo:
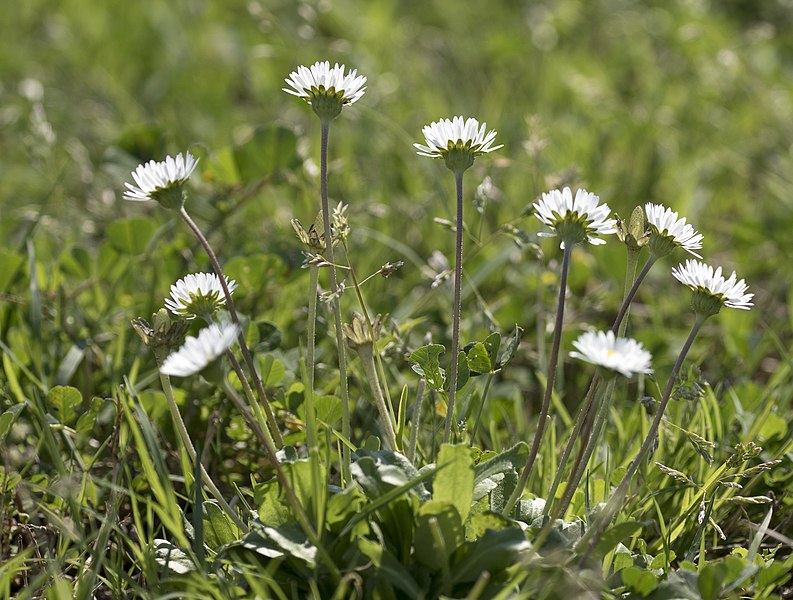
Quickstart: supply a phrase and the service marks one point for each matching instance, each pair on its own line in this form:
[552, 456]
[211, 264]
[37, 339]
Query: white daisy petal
[623, 355]
[701, 277]
[197, 352]
[444, 134]
[665, 222]
[197, 295]
[322, 80]
[558, 207]
[154, 177]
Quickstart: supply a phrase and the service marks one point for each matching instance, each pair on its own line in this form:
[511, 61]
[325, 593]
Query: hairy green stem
[184, 436]
[604, 403]
[458, 280]
[630, 278]
[311, 328]
[235, 318]
[345, 401]
[609, 511]
[367, 361]
[546, 401]
[584, 418]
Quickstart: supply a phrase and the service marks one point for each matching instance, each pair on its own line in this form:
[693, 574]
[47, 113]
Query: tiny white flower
[162, 181]
[665, 224]
[197, 352]
[574, 219]
[445, 135]
[704, 281]
[326, 89]
[198, 295]
[623, 355]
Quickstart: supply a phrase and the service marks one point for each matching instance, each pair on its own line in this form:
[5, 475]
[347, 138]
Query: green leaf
[479, 523]
[511, 347]
[132, 235]
[425, 362]
[389, 567]
[254, 272]
[773, 426]
[493, 343]
[171, 557]
[65, 400]
[218, 527]
[270, 150]
[489, 474]
[7, 419]
[454, 483]
[615, 534]
[494, 552]
[639, 581]
[463, 373]
[479, 359]
[87, 420]
[443, 517]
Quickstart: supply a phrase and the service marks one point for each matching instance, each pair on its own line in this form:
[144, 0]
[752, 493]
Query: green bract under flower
[668, 232]
[458, 141]
[162, 181]
[326, 89]
[198, 295]
[711, 289]
[622, 355]
[574, 220]
[197, 352]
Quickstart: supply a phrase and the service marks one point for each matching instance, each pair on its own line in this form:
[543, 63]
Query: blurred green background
[683, 102]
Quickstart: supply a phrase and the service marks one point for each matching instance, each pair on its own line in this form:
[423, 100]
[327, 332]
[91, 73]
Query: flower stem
[626, 303]
[311, 333]
[458, 280]
[610, 510]
[367, 361]
[233, 312]
[181, 429]
[546, 401]
[630, 278]
[603, 403]
[345, 402]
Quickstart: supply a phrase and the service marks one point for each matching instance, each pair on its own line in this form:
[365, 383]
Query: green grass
[683, 103]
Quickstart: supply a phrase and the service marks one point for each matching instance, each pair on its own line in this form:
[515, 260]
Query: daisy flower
[574, 219]
[162, 181]
[197, 352]
[198, 295]
[669, 232]
[326, 89]
[458, 141]
[711, 289]
[622, 355]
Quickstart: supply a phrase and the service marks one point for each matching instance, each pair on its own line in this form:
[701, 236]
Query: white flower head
[458, 141]
[197, 352]
[574, 219]
[198, 295]
[162, 181]
[668, 231]
[711, 289]
[623, 355]
[326, 89]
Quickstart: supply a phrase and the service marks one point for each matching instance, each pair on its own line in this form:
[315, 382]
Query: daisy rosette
[457, 141]
[327, 89]
[574, 219]
[198, 352]
[711, 289]
[668, 232]
[162, 181]
[198, 295]
[625, 356]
